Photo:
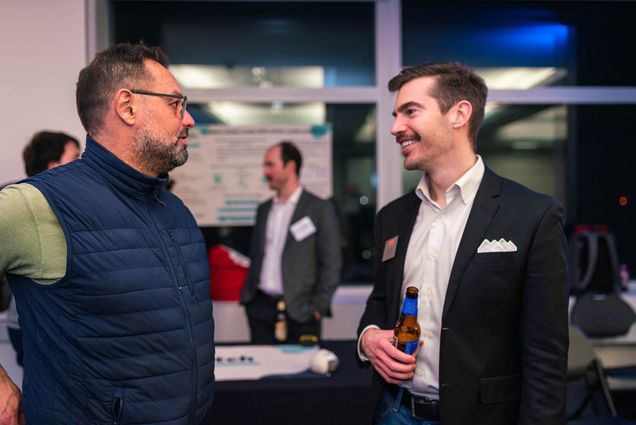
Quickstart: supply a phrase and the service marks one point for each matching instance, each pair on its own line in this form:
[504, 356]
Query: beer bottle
[406, 335]
[280, 327]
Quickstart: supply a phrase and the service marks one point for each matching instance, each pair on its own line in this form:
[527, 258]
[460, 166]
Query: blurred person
[295, 254]
[46, 150]
[489, 259]
[108, 269]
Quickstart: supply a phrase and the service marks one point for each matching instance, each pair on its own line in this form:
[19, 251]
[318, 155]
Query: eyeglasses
[184, 99]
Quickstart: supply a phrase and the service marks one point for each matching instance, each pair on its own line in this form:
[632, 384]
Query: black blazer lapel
[262, 227]
[299, 212]
[407, 219]
[481, 214]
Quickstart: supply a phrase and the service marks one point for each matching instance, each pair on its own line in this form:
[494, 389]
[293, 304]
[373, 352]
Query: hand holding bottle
[392, 364]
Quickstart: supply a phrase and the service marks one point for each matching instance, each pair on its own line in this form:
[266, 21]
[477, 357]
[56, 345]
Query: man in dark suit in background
[295, 254]
[489, 258]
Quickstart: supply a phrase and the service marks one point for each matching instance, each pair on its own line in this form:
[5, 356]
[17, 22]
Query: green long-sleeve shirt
[32, 243]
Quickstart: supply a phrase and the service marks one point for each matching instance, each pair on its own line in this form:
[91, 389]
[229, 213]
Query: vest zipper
[183, 262]
[184, 266]
[193, 350]
[118, 406]
[157, 198]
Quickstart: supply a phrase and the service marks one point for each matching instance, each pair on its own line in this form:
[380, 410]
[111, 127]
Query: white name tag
[302, 228]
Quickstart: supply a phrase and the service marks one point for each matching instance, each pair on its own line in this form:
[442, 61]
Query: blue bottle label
[411, 346]
[410, 306]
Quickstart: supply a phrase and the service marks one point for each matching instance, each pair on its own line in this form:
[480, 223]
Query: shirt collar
[466, 185]
[293, 199]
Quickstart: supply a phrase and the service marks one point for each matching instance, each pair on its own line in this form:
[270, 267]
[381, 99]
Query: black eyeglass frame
[184, 99]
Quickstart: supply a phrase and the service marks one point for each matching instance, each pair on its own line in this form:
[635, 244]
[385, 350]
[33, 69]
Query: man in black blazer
[489, 258]
[295, 254]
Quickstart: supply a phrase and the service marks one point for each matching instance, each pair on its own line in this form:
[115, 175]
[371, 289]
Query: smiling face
[422, 130]
[160, 144]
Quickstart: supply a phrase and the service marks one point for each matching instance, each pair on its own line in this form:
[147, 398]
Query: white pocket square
[501, 245]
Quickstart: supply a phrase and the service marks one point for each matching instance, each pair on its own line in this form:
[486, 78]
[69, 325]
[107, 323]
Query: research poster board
[222, 183]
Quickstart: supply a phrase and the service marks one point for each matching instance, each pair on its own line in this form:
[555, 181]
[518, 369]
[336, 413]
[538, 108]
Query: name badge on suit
[390, 248]
[302, 229]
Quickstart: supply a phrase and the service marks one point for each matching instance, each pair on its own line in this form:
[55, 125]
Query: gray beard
[156, 156]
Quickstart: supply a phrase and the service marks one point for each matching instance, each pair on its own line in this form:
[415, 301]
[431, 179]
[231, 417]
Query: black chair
[583, 365]
[602, 315]
[601, 421]
[593, 263]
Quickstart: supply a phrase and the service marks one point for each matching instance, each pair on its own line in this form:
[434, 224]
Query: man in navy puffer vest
[109, 270]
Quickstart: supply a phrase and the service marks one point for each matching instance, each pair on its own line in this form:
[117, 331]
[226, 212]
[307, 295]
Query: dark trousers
[261, 315]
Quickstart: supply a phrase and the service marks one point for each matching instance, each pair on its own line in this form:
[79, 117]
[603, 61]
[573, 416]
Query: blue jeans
[390, 411]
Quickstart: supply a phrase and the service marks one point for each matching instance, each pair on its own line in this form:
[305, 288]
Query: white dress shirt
[429, 260]
[278, 221]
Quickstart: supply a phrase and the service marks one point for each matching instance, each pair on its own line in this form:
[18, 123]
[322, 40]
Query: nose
[397, 127]
[187, 121]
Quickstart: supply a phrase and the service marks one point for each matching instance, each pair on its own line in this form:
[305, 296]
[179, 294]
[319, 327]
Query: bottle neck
[409, 307]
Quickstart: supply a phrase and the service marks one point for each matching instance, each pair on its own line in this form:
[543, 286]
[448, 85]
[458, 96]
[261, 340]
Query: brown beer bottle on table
[406, 335]
[280, 327]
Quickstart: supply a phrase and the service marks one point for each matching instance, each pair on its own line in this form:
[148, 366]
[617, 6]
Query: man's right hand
[10, 401]
[393, 365]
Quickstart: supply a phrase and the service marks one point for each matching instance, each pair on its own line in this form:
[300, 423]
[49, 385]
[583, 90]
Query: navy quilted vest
[126, 337]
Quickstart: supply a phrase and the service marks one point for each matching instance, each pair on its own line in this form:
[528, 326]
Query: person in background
[295, 254]
[489, 259]
[108, 269]
[46, 150]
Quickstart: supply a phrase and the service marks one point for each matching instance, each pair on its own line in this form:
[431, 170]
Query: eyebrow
[407, 105]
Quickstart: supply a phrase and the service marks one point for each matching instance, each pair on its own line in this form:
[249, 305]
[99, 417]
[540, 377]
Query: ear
[291, 166]
[463, 110]
[125, 106]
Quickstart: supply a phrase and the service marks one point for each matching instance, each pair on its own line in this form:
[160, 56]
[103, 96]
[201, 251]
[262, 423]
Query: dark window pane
[264, 44]
[604, 173]
[564, 43]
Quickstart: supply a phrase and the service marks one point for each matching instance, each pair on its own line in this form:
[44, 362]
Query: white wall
[42, 49]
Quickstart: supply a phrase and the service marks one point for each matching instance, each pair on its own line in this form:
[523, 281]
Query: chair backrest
[580, 354]
[582, 361]
[593, 262]
[602, 315]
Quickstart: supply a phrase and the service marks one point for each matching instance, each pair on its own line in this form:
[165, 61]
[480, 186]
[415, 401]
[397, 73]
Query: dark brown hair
[45, 147]
[119, 66]
[455, 82]
[289, 152]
